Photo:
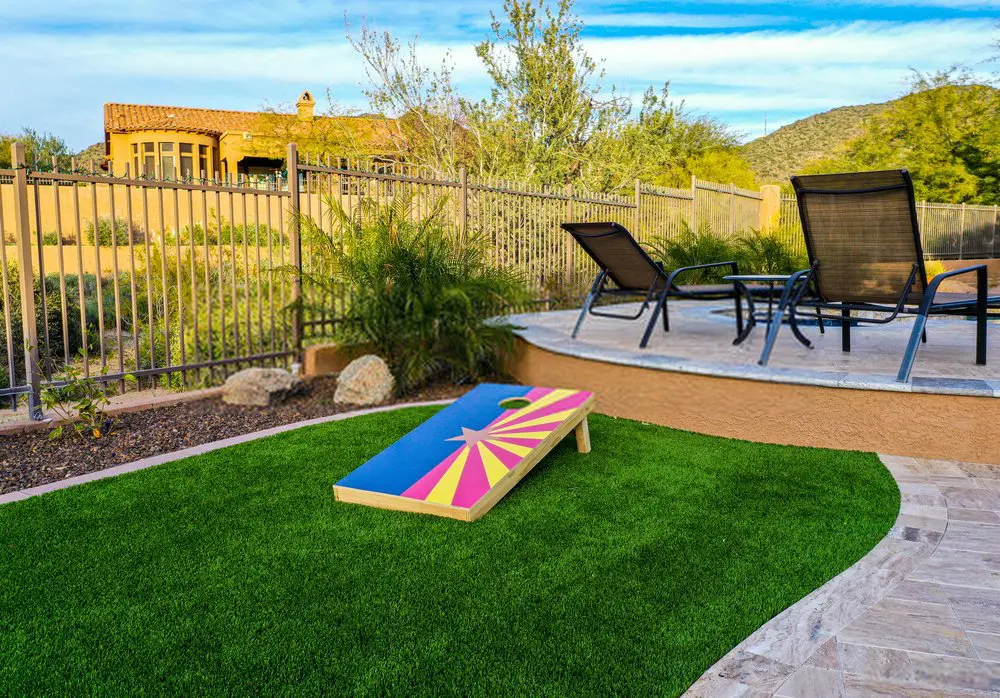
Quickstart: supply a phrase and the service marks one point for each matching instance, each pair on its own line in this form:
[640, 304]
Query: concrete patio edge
[160, 459]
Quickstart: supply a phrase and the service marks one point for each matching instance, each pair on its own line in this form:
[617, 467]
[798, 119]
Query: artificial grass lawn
[631, 569]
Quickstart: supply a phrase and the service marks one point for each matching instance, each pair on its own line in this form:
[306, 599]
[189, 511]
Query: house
[192, 143]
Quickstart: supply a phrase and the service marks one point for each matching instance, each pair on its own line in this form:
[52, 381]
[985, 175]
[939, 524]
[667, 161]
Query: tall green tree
[547, 102]
[548, 118]
[39, 148]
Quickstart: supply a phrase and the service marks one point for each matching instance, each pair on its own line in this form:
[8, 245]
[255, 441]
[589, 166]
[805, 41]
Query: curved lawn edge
[199, 449]
[796, 652]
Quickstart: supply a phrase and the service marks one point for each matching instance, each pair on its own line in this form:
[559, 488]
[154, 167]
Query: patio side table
[792, 283]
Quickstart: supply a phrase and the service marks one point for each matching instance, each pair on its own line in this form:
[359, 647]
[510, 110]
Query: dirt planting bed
[30, 459]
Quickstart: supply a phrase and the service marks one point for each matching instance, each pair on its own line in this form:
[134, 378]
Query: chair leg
[923, 336]
[666, 317]
[595, 290]
[660, 307]
[845, 329]
[738, 298]
[819, 321]
[583, 313]
[981, 319]
[911, 348]
[774, 326]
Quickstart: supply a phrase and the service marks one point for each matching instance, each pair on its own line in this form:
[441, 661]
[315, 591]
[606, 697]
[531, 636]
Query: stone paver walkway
[918, 616]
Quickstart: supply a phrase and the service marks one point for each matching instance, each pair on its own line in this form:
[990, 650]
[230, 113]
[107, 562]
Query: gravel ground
[31, 459]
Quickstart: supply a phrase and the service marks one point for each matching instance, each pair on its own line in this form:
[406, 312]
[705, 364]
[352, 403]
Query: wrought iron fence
[179, 283]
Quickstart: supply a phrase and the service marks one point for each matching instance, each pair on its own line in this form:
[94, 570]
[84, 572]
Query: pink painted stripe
[537, 393]
[422, 487]
[567, 403]
[510, 460]
[530, 428]
[516, 440]
[473, 484]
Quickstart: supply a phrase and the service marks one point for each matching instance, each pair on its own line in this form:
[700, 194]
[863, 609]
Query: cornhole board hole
[464, 459]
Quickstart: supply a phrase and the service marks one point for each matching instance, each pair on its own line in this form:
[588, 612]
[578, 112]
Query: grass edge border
[200, 449]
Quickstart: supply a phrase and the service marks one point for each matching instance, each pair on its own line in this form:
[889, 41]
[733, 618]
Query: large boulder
[365, 381]
[263, 387]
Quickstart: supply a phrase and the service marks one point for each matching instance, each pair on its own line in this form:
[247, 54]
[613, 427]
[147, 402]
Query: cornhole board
[464, 459]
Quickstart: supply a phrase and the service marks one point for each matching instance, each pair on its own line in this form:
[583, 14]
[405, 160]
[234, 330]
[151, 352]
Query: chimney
[306, 106]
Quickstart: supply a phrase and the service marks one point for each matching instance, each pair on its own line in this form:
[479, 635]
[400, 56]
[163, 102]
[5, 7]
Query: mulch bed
[30, 459]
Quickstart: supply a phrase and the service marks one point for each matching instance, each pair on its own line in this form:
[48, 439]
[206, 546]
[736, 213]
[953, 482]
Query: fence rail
[179, 283]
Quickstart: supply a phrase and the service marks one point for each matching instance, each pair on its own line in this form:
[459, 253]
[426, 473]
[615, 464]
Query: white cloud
[680, 20]
[60, 82]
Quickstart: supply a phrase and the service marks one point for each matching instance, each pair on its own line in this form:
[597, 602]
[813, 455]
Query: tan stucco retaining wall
[908, 424]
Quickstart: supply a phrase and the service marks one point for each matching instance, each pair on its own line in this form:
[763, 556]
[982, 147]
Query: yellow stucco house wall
[190, 143]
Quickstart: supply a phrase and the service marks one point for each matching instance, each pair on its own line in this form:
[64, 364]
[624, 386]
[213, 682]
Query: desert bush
[106, 229]
[52, 238]
[48, 318]
[691, 248]
[229, 234]
[768, 253]
[421, 299]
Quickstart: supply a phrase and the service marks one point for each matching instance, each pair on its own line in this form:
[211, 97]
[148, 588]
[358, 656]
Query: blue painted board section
[413, 456]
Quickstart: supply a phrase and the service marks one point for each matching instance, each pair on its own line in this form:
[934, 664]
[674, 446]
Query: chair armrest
[732, 264]
[979, 269]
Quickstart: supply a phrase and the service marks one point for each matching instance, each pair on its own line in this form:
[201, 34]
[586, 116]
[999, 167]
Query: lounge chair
[863, 239]
[623, 262]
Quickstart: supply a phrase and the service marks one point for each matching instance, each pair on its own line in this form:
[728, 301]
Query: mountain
[94, 152]
[778, 155]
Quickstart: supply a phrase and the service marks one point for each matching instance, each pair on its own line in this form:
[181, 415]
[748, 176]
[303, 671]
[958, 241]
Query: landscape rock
[262, 387]
[365, 381]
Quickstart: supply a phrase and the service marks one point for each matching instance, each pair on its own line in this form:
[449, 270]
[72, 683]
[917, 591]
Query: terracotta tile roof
[141, 117]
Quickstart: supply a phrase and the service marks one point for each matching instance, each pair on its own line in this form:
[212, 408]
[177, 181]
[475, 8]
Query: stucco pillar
[770, 207]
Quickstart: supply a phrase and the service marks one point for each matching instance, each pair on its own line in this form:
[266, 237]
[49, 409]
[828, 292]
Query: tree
[946, 131]
[419, 111]
[546, 104]
[39, 148]
[666, 145]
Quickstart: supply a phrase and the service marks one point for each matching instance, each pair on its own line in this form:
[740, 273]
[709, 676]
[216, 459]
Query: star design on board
[471, 437]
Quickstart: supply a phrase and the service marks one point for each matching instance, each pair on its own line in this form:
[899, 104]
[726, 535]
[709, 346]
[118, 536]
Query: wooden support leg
[583, 436]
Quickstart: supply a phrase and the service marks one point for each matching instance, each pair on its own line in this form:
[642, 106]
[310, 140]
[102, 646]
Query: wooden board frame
[577, 422]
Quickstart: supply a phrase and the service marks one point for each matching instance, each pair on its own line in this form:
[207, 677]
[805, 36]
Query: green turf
[629, 570]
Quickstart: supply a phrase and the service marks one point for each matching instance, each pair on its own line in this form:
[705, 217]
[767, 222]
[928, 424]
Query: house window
[168, 166]
[187, 160]
[203, 161]
[136, 172]
[148, 160]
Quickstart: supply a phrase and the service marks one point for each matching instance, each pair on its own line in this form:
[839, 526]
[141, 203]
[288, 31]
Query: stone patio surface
[918, 616]
[701, 334]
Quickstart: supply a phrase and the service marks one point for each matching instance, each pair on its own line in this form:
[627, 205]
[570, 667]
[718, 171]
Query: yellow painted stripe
[554, 417]
[524, 435]
[516, 449]
[444, 491]
[495, 470]
[543, 401]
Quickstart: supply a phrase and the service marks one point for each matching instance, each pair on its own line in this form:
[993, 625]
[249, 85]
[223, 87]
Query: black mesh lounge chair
[863, 240]
[634, 273]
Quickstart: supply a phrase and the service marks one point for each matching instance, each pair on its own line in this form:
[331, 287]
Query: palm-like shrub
[421, 299]
[768, 253]
[691, 248]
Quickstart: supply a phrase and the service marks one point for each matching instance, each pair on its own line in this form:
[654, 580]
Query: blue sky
[736, 61]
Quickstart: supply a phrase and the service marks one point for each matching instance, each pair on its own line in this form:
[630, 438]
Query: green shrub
[119, 229]
[768, 253]
[422, 300]
[691, 248]
[253, 234]
[47, 318]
